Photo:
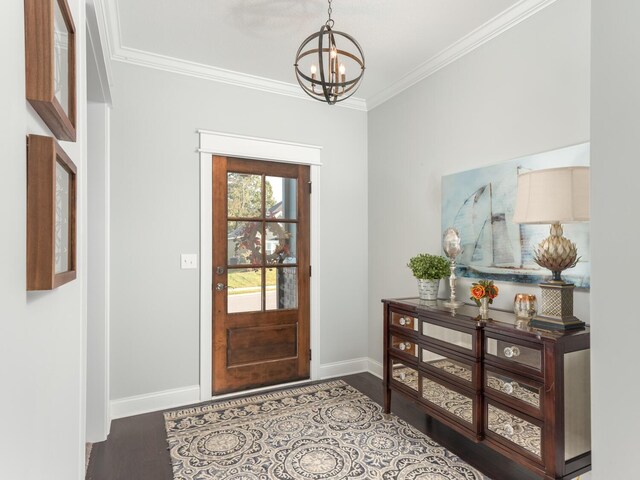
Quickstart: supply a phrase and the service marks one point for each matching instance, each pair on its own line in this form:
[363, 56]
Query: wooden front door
[260, 273]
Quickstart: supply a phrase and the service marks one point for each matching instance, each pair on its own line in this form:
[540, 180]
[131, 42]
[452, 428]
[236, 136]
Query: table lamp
[554, 196]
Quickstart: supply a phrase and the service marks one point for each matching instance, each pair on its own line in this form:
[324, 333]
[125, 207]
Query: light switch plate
[188, 261]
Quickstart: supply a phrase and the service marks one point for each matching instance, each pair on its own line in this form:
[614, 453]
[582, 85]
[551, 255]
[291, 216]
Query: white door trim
[217, 143]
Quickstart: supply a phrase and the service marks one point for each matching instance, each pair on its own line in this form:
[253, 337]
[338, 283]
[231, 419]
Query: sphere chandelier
[328, 64]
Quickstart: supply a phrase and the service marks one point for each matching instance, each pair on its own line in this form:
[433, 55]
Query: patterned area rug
[324, 431]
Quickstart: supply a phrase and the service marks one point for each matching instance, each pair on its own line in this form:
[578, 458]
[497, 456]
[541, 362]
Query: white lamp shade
[553, 195]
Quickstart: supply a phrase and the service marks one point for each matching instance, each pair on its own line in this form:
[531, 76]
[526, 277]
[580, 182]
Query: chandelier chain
[330, 21]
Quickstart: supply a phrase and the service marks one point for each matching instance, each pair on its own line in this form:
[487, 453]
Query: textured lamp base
[556, 308]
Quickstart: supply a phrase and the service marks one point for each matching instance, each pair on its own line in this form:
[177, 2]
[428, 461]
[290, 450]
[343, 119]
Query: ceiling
[260, 38]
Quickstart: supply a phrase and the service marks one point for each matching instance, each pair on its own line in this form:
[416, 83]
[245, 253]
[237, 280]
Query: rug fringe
[208, 407]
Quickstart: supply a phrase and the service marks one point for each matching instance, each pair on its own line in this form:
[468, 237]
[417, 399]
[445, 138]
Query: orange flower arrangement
[477, 292]
[482, 289]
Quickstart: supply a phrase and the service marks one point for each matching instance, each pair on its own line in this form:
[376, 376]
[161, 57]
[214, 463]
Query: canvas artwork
[480, 203]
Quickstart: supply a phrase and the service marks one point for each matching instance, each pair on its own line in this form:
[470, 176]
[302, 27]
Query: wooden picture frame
[50, 62]
[51, 215]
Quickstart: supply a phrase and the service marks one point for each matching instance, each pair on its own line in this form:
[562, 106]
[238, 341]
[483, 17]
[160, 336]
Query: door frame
[227, 144]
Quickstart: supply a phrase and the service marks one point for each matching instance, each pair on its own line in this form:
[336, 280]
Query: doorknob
[220, 286]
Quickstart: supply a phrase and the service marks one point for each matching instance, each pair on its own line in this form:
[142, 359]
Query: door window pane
[281, 197]
[280, 244]
[244, 243]
[281, 287]
[244, 195]
[244, 290]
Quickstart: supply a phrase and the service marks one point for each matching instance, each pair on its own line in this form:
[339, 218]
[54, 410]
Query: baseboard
[374, 367]
[152, 402]
[345, 367]
[178, 397]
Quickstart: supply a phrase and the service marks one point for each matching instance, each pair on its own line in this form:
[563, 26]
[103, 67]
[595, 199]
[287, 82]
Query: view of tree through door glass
[261, 243]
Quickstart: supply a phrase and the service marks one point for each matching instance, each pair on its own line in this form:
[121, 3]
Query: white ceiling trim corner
[491, 29]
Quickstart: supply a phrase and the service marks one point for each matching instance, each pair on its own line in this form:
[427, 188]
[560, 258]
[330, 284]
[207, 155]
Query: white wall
[155, 217]
[42, 334]
[524, 92]
[615, 224]
[98, 419]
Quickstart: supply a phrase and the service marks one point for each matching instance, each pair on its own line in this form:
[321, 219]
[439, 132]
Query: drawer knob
[508, 429]
[404, 346]
[509, 388]
[402, 321]
[511, 352]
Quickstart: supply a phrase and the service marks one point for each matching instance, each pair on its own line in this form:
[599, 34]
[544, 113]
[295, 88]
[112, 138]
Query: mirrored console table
[524, 392]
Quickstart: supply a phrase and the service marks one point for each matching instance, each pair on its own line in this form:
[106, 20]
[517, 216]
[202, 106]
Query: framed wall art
[51, 215]
[50, 60]
[479, 204]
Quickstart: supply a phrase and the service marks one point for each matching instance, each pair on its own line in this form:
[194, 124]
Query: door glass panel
[281, 288]
[244, 194]
[244, 243]
[281, 243]
[281, 197]
[244, 290]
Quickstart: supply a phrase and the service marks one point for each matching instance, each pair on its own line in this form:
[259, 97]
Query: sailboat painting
[479, 203]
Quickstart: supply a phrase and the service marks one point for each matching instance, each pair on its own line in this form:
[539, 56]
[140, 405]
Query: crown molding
[133, 56]
[230, 77]
[489, 30]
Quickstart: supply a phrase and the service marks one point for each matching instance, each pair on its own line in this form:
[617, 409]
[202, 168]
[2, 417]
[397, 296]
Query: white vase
[428, 289]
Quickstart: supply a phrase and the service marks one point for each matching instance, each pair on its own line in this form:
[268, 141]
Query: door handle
[220, 286]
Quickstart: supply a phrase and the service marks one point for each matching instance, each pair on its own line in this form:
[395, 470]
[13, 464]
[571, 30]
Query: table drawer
[403, 321]
[453, 402]
[522, 393]
[403, 374]
[404, 346]
[460, 340]
[450, 366]
[515, 430]
[515, 353]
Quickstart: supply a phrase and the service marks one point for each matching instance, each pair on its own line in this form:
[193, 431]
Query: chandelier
[328, 64]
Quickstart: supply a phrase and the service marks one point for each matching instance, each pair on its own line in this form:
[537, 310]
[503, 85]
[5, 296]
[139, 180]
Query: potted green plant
[429, 270]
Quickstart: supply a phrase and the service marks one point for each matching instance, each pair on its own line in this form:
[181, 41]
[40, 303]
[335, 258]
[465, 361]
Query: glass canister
[525, 306]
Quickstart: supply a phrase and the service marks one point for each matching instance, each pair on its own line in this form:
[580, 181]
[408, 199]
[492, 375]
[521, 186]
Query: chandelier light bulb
[313, 69]
[342, 69]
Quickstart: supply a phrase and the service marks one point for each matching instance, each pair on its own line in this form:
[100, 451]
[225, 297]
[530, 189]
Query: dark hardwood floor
[137, 448]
